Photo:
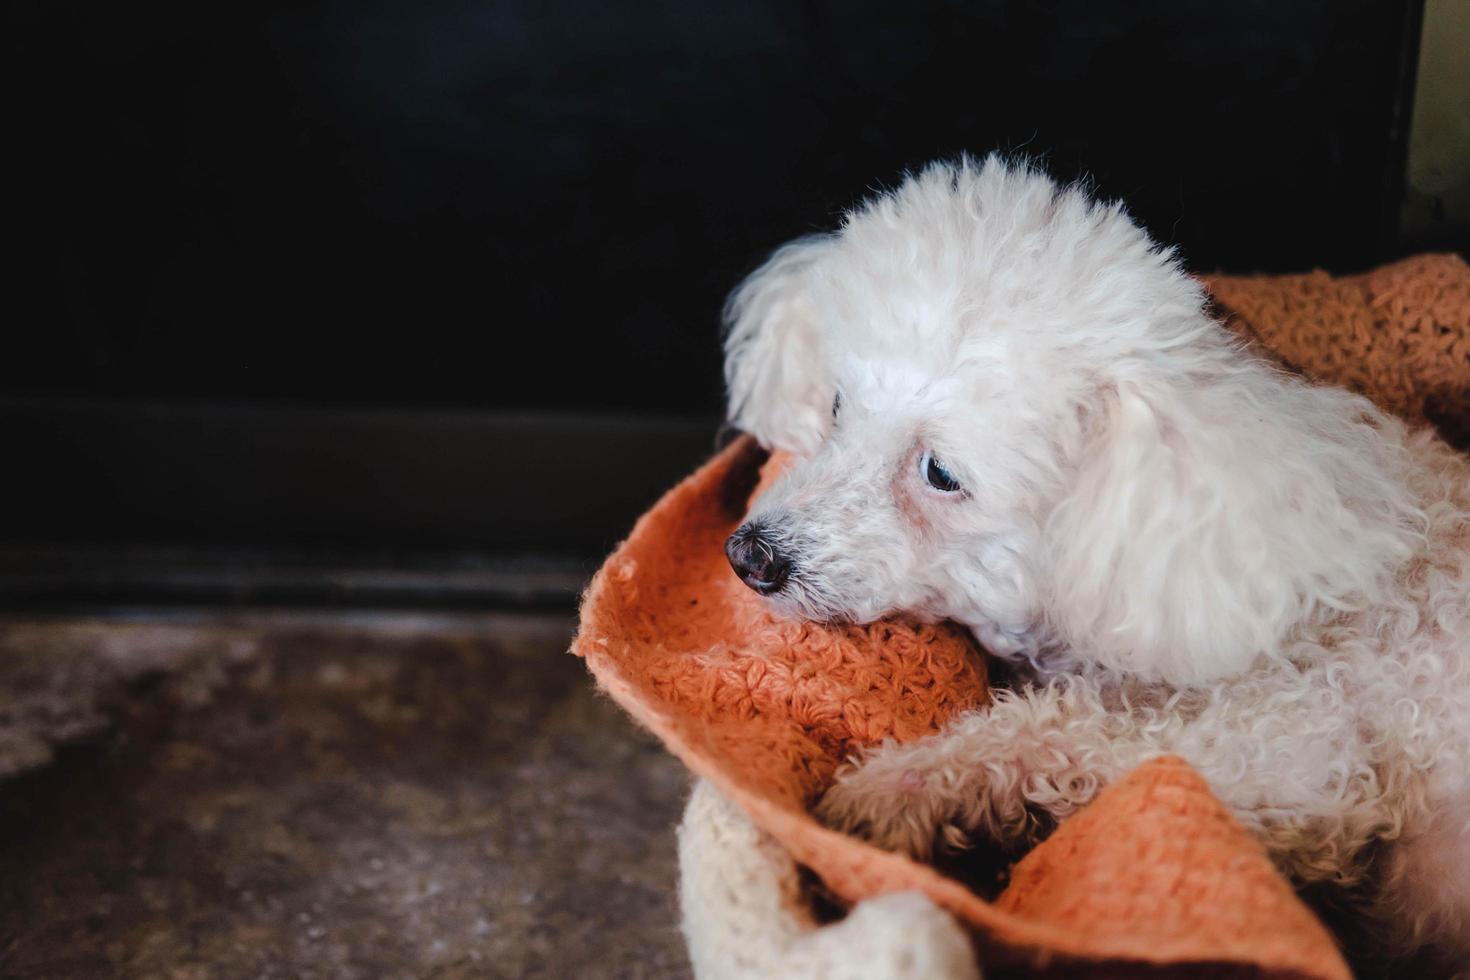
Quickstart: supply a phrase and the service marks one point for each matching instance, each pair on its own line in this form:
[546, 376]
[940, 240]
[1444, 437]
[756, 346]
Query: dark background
[541, 205]
[447, 274]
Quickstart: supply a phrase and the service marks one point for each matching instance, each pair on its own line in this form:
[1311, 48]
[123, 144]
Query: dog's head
[1011, 410]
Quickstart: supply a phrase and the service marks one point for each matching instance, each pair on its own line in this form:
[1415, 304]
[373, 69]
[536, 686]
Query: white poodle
[1011, 409]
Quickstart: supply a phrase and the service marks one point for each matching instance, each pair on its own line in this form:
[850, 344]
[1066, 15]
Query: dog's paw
[1010, 642]
[891, 805]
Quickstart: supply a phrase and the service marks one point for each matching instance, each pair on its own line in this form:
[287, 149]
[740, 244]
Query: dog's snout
[757, 560]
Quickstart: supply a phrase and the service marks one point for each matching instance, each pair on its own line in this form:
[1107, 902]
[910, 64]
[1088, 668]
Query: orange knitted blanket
[1155, 871]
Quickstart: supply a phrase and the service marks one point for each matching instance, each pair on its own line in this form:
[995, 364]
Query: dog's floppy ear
[777, 383]
[1212, 512]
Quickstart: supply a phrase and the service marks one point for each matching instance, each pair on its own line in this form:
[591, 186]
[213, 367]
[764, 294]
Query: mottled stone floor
[293, 795]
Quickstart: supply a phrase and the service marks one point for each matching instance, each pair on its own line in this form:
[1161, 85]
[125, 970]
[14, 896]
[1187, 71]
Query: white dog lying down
[1012, 410]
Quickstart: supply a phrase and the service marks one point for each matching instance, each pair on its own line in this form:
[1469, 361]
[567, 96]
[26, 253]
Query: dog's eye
[836, 405]
[933, 471]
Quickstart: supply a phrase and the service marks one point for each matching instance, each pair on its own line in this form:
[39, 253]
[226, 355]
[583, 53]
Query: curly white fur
[1190, 551]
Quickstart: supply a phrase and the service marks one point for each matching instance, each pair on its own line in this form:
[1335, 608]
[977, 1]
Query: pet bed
[1154, 872]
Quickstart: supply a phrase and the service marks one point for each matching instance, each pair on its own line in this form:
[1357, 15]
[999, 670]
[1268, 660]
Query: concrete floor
[312, 795]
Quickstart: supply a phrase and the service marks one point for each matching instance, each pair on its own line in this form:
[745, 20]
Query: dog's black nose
[756, 560]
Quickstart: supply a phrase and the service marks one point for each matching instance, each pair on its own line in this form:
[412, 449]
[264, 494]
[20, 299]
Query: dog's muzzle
[757, 560]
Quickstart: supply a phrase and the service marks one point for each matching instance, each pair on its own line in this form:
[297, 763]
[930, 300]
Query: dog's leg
[1005, 771]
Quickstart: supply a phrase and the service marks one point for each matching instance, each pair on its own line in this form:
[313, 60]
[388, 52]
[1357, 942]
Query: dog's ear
[1210, 514]
[777, 382]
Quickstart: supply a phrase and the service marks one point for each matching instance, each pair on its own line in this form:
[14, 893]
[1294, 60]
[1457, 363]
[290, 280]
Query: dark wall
[537, 205]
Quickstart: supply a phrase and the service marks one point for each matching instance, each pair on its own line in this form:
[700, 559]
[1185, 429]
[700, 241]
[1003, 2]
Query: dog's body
[1013, 411]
